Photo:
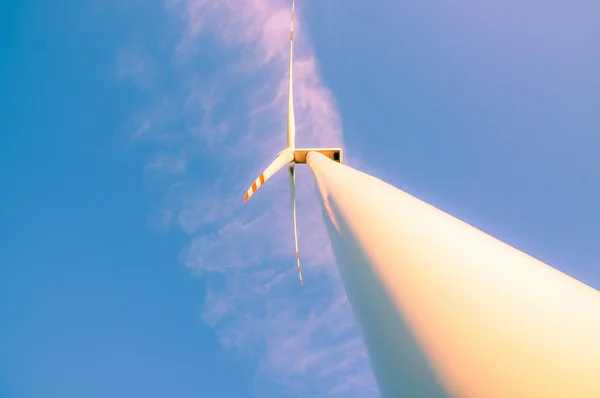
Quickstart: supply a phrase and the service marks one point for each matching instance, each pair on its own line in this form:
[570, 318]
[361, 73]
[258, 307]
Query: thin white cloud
[167, 163]
[226, 129]
[135, 63]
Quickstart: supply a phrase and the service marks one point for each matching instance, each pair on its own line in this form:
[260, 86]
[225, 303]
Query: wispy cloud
[213, 131]
[135, 63]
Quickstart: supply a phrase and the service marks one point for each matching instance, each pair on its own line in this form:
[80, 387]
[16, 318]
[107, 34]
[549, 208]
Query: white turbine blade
[282, 159]
[291, 127]
[293, 193]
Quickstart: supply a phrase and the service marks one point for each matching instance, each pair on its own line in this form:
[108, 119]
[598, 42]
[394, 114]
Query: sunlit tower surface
[445, 309]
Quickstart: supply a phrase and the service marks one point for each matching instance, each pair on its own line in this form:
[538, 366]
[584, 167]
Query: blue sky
[131, 130]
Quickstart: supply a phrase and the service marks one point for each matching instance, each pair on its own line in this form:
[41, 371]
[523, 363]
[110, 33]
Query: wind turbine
[290, 156]
[444, 308]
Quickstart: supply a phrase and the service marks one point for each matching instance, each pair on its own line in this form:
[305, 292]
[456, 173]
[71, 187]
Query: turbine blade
[291, 122]
[281, 160]
[293, 193]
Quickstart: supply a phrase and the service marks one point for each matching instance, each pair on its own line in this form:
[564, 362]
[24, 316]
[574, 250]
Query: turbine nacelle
[335, 154]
